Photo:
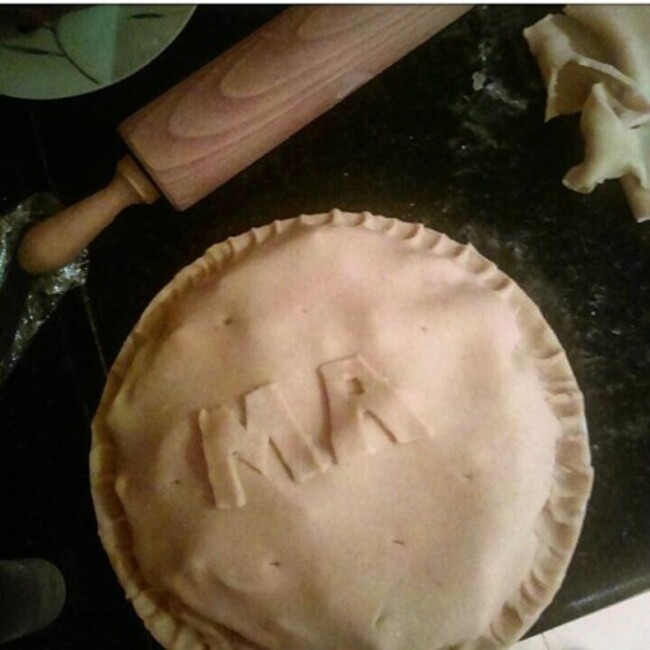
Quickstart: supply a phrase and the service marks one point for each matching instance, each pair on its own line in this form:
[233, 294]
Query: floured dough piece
[596, 60]
[340, 432]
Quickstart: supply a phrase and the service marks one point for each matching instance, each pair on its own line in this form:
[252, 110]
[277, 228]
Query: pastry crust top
[337, 432]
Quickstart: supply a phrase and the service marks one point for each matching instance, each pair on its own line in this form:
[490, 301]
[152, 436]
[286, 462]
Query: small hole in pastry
[354, 386]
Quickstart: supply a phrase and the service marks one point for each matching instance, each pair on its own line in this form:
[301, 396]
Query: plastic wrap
[27, 302]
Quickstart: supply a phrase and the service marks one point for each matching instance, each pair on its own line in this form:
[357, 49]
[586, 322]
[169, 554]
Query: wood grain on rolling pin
[234, 110]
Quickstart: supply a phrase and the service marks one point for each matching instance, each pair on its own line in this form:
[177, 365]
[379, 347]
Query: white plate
[84, 50]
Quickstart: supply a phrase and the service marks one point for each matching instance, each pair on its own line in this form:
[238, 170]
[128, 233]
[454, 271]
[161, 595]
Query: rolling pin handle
[59, 239]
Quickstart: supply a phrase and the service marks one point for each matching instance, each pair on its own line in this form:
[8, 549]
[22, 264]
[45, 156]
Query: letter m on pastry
[227, 443]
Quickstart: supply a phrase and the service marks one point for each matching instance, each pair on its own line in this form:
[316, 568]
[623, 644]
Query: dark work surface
[417, 143]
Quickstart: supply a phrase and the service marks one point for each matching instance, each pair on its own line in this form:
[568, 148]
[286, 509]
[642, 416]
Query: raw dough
[340, 432]
[596, 60]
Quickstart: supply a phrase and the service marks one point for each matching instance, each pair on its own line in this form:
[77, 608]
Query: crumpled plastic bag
[26, 302]
[595, 60]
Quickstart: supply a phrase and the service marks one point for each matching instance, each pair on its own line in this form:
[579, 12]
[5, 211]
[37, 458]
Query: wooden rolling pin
[237, 108]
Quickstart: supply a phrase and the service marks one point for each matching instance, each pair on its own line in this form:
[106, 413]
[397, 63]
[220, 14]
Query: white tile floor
[624, 626]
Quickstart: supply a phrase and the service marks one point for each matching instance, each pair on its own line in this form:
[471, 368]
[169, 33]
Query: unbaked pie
[340, 432]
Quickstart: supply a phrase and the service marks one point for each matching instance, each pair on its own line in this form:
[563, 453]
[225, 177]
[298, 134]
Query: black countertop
[417, 143]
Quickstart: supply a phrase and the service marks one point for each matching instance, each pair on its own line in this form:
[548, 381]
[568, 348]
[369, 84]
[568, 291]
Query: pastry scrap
[596, 61]
[335, 432]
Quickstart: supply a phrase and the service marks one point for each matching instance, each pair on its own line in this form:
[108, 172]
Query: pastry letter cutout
[355, 389]
[226, 442]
